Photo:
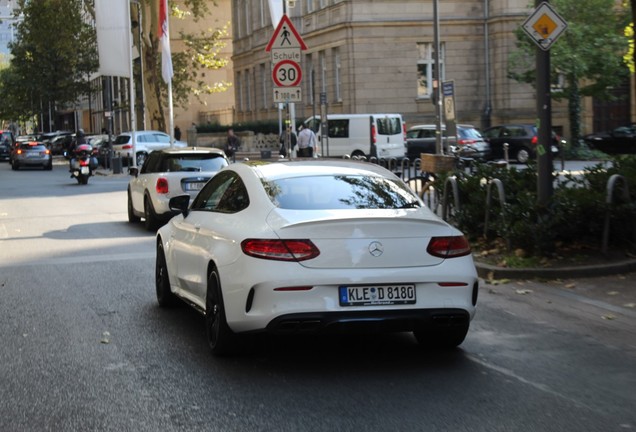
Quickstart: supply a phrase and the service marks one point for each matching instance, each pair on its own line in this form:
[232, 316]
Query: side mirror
[133, 171]
[180, 203]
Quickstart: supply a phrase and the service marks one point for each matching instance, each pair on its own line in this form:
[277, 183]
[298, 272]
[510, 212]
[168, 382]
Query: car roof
[432, 126]
[191, 150]
[301, 168]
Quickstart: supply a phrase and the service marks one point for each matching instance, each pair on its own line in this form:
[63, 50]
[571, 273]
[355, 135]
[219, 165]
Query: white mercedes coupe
[315, 246]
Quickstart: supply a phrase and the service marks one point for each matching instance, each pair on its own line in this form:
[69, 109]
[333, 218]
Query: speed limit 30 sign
[287, 73]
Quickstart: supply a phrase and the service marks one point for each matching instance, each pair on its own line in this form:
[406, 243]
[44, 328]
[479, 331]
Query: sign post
[544, 26]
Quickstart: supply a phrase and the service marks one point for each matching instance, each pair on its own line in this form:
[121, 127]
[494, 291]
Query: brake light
[404, 131]
[126, 147]
[373, 134]
[534, 140]
[466, 141]
[448, 247]
[162, 186]
[19, 151]
[280, 250]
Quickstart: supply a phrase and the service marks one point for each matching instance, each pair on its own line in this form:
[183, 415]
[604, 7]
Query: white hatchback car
[145, 142]
[315, 245]
[168, 173]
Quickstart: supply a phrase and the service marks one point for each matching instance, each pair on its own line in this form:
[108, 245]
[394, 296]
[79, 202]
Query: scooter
[83, 164]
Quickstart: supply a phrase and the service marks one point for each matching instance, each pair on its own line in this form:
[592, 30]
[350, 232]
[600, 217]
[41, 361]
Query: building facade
[378, 56]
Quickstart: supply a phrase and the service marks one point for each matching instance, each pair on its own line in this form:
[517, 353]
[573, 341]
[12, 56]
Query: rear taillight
[466, 141]
[280, 250]
[162, 186]
[448, 247]
[126, 147]
[534, 140]
[404, 131]
[373, 134]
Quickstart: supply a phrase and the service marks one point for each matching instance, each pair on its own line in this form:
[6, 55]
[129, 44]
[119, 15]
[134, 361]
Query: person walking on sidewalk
[232, 144]
[306, 142]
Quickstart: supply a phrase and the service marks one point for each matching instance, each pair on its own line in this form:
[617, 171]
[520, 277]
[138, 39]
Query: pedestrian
[306, 142]
[286, 146]
[232, 145]
[177, 133]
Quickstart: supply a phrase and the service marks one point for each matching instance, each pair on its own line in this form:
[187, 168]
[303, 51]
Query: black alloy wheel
[221, 338]
[165, 297]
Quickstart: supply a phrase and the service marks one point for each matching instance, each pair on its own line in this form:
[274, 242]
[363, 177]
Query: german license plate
[194, 186]
[376, 295]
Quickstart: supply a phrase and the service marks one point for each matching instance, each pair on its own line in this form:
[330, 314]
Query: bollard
[117, 166]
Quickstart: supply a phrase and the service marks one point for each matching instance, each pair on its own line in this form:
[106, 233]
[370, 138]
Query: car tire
[165, 296]
[132, 218]
[441, 338]
[15, 166]
[358, 155]
[523, 155]
[221, 338]
[150, 218]
[49, 166]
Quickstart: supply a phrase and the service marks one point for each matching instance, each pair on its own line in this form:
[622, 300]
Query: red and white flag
[164, 35]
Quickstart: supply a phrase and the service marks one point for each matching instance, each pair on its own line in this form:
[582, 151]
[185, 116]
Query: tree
[587, 60]
[53, 54]
[199, 52]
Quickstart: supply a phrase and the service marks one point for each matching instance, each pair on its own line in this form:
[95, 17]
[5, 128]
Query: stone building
[377, 56]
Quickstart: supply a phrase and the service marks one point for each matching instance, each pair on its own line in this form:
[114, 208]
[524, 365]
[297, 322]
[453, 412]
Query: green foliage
[576, 214]
[52, 57]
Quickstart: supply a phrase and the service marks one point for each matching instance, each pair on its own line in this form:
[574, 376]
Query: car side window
[225, 192]
[339, 128]
[161, 138]
[492, 133]
[152, 164]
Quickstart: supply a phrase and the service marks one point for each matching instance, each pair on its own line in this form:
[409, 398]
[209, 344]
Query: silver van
[370, 135]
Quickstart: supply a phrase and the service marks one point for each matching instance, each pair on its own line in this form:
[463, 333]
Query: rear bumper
[368, 321]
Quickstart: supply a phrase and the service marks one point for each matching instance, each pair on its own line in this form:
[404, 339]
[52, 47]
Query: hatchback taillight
[373, 134]
[448, 247]
[162, 186]
[534, 140]
[126, 147]
[466, 141]
[280, 250]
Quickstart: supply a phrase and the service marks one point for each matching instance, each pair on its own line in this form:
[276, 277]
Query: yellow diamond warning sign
[544, 26]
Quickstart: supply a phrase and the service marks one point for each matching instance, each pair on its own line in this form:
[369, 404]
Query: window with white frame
[322, 60]
[248, 90]
[426, 68]
[336, 74]
[310, 6]
[262, 7]
[264, 80]
[248, 25]
[309, 66]
[239, 91]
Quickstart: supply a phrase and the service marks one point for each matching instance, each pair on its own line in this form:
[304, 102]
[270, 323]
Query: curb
[488, 271]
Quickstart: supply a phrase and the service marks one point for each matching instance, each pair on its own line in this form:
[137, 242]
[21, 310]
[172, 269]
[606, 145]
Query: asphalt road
[84, 346]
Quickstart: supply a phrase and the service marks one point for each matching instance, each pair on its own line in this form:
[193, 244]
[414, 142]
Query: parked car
[315, 245]
[621, 140]
[7, 141]
[145, 143]
[167, 173]
[521, 139]
[31, 154]
[421, 139]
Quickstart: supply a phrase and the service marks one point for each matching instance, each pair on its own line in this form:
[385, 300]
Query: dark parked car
[6, 144]
[521, 139]
[621, 140]
[421, 139]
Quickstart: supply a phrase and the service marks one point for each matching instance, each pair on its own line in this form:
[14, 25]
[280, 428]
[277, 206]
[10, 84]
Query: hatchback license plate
[380, 295]
[195, 186]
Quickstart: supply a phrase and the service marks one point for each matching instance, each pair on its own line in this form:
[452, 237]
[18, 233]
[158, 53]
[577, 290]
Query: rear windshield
[27, 146]
[209, 162]
[389, 126]
[122, 139]
[340, 192]
[469, 133]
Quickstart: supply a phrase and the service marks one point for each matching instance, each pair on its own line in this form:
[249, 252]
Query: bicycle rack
[502, 201]
[614, 181]
[452, 181]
